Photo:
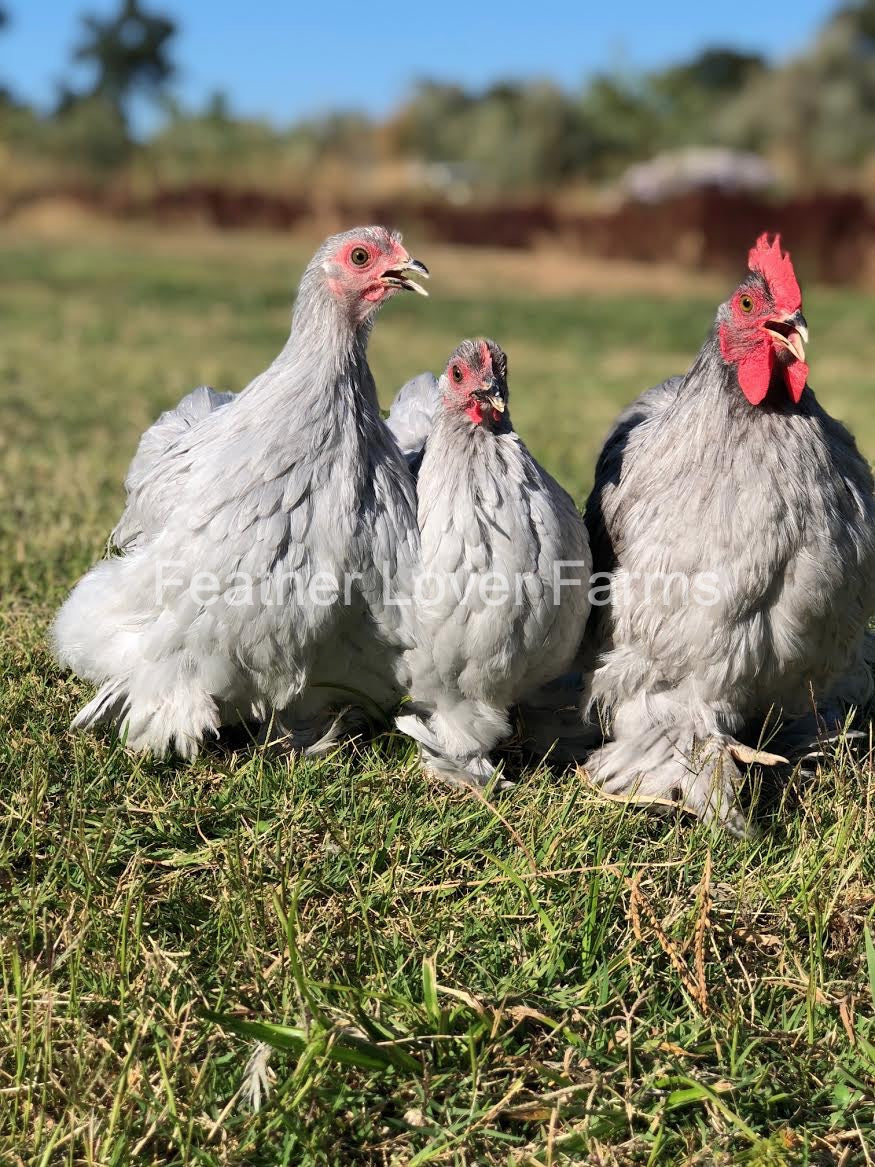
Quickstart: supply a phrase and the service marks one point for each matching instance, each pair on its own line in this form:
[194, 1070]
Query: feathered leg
[455, 739]
[154, 717]
[667, 767]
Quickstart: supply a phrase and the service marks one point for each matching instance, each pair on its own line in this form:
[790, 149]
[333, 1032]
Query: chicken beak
[396, 277]
[491, 394]
[791, 332]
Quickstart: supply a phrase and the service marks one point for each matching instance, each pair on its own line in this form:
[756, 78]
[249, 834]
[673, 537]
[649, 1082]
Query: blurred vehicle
[697, 168]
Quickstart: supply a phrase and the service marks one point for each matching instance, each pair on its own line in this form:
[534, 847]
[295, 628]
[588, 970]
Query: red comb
[777, 270]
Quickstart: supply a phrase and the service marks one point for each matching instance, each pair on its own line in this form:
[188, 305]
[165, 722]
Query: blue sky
[283, 60]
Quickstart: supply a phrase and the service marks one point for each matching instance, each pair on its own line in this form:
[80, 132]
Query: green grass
[540, 978]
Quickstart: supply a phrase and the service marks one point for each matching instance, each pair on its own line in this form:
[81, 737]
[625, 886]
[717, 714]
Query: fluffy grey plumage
[258, 533]
[492, 624]
[763, 516]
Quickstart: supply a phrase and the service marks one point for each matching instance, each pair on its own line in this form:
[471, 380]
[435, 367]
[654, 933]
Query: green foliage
[209, 145]
[215, 145]
[91, 132]
[687, 99]
[90, 137]
[819, 108]
[524, 135]
[88, 132]
[625, 123]
[446, 979]
[816, 112]
[5, 95]
[529, 135]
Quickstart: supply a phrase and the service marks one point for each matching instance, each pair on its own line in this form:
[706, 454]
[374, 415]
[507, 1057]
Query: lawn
[538, 977]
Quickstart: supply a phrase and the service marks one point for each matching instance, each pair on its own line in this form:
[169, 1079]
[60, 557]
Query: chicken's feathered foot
[460, 774]
[464, 765]
[154, 719]
[668, 768]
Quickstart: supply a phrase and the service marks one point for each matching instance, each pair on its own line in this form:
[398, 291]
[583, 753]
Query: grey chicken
[737, 520]
[501, 598]
[263, 536]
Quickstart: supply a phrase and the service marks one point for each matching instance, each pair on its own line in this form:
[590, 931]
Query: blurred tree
[218, 108]
[430, 124]
[345, 133]
[214, 145]
[130, 53]
[818, 111]
[90, 133]
[687, 98]
[716, 71]
[622, 120]
[5, 96]
[513, 135]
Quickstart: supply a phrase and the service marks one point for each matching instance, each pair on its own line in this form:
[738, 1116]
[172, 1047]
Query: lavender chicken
[501, 599]
[263, 536]
[738, 521]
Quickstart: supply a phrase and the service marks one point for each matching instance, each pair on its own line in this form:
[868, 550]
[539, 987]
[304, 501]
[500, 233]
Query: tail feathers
[668, 769]
[170, 426]
[412, 414]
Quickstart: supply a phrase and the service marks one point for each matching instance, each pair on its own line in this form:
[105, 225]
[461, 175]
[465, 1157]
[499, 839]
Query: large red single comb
[776, 269]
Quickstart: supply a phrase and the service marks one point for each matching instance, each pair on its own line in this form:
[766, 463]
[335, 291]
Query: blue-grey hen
[502, 596]
[737, 519]
[263, 537]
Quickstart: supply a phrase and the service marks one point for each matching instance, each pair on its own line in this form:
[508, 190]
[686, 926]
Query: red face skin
[357, 271]
[465, 382]
[770, 297]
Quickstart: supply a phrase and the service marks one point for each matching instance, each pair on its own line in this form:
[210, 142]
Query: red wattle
[755, 373]
[796, 376]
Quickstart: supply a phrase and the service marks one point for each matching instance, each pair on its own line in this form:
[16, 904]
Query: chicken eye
[457, 374]
[359, 256]
[746, 304]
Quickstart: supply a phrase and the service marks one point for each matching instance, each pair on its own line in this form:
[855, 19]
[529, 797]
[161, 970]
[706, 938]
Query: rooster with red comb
[737, 521]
